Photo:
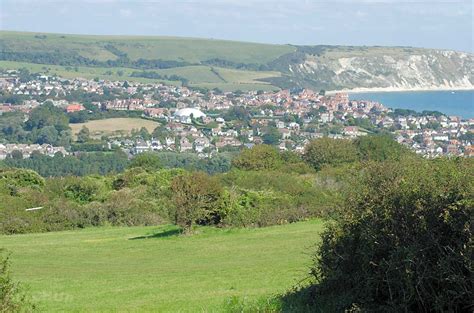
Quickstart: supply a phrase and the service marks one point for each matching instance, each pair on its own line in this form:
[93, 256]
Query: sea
[458, 103]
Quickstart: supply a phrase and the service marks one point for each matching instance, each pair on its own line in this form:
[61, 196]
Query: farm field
[114, 126]
[153, 269]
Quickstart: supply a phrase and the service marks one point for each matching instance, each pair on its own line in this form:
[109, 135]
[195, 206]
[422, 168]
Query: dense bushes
[265, 187]
[335, 152]
[81, 165]
[136, 197]
[261, 157]
[403, 242]
[145, 194]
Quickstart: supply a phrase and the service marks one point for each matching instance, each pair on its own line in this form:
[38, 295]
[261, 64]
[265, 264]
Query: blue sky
[446, 24]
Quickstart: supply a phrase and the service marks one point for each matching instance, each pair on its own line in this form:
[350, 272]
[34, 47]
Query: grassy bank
[153, 269]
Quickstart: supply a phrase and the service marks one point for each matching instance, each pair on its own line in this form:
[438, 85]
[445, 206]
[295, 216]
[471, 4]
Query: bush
[20, 177]
[197, 197]
[380, 148]
[327, 151]
[148, 160]
[259, 157]
[403, 243]
[12, 296]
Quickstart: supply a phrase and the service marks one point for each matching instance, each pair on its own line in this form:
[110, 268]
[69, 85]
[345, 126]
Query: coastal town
[206, 122]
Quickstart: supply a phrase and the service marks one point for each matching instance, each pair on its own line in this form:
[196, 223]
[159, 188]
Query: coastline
[398, 89]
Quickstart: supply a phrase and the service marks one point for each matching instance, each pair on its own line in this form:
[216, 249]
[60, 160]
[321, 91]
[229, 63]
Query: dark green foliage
[197, 197]
[20, 178]
[84, 164]
[326, 151]
[403, 242]
[74, 59]
[380, 148]
[47, 115]
[12, 296]
[259, 157]
[46, 124]
[84, 135]
[155, 75]
[219, 163]
[262, 198]
[148, 161]
[271, 136]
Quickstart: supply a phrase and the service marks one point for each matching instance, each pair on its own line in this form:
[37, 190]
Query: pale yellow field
[114, 126]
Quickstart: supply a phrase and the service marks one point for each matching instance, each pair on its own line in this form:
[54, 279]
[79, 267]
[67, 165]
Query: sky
[443, 24]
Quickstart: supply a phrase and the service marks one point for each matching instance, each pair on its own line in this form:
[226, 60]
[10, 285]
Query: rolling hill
[231, 65]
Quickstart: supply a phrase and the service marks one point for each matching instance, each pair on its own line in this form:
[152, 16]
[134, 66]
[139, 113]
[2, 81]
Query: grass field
[192, 50]
[114, 126]
[153, 269]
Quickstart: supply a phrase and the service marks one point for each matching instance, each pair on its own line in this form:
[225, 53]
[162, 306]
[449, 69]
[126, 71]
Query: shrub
[197, 197]
[20, 177]
[12, 296]
[149, 161]
[380, 148]
[327, 151]
[404, 241]
[259, 157]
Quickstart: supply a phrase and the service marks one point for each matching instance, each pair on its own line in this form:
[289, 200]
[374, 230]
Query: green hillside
[232, 65]
[152, 269]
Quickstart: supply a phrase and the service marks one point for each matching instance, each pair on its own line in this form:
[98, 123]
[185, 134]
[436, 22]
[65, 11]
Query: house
[74, 108]
[185, 144]
[201, 143]
[156, 112]
[141, 146]
[228, 141]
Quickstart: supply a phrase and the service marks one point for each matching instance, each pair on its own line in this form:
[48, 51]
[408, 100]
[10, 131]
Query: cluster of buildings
[197, 121]
[25, 151]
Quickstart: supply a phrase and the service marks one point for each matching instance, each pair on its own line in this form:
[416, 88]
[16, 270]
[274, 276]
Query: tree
[272, 136]
[197, 198]
[83, 135]
[47, 115]
[47, 134]
[259, 157]
[380, 148]
[148, 160]
[327, 151]
[16, 154]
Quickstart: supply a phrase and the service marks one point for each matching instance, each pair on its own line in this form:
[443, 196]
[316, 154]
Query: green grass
[198, 76]
[192, 50]
[153, 269]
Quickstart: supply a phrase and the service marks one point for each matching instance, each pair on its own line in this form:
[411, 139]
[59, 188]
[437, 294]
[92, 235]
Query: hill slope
[150, 269]
[205, 62]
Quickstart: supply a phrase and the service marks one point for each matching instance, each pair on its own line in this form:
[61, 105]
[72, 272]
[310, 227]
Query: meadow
[114, 126]
[155, 269]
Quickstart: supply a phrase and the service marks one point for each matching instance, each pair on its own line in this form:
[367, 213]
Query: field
[114, 126]
[198, 76]
[192, 51]
[153, 269]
